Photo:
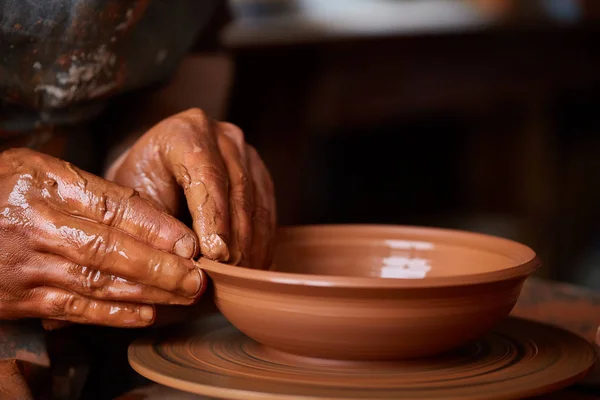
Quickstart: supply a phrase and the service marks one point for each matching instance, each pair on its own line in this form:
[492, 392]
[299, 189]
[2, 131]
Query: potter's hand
[75, 247]
[227, 187]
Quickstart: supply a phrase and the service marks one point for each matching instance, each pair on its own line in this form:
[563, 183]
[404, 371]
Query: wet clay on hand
[228, 189]
[78, 248]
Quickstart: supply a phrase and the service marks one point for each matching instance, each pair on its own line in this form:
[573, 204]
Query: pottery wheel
[210, 357]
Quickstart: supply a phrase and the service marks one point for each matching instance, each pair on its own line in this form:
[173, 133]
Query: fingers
[61, 305]
[114, 252]
[237, 136]
[89, 196]
[209, 161]
[194, 159]
[241, 202]
[63, 274]
[265, 215]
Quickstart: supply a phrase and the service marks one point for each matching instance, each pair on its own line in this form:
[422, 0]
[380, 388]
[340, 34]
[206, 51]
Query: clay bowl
[358, 292]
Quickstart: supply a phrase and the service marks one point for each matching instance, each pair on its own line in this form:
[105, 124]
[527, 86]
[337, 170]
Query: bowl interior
[394, 252]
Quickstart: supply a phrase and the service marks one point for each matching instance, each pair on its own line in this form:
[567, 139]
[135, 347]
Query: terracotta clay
[374, 292]
[519, 359]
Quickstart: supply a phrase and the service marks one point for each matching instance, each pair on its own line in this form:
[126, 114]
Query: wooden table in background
[569, 307]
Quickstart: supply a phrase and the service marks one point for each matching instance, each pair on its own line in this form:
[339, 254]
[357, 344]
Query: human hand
[78, 248]
[227, 187]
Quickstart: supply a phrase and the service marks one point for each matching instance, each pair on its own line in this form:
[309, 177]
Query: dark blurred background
[481, 115]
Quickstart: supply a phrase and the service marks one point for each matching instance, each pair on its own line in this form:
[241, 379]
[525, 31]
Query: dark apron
[60, 61]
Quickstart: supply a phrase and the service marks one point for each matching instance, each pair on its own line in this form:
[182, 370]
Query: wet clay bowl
[358, 292]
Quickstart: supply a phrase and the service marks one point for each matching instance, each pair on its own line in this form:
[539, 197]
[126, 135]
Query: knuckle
[105, 210]
[113, 206]
[151, 221]
[190, 120]
[242, 187]
[181, 123]
[182, 177]
[91, 281]
[195, 113]
[233, 131]
[74, 305]
[96, 247]
[64, 305]
[212, 175]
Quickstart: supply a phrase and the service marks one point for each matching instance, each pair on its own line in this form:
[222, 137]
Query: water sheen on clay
[401, 255]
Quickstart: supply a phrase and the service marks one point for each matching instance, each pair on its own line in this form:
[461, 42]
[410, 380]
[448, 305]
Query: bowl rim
[520, 270]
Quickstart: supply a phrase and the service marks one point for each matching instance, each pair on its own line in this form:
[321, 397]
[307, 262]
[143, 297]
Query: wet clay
[228, 189]
[518, 359]
[374, 292]
[380, 252]
[78, 248]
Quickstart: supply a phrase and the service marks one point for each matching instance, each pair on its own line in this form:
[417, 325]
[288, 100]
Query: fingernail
[192, 283]
[146, 313]
[185, 247]
[215, 248]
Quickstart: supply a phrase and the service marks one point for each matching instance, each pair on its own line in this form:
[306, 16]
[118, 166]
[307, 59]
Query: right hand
[75, 247]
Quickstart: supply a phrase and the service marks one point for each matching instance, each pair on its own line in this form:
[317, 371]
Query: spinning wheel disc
[212, 358]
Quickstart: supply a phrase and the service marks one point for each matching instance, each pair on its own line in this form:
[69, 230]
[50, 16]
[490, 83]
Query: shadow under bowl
[374, 292]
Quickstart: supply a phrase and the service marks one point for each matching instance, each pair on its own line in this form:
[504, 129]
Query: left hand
[227, 187]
